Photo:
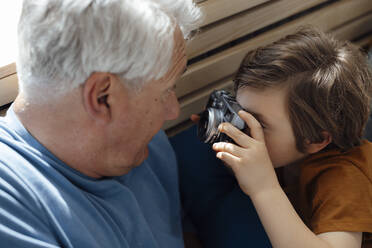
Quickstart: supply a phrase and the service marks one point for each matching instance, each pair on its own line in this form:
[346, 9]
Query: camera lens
[208, 125]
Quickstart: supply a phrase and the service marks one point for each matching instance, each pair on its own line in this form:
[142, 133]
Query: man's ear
[96, 96]
[316, 147]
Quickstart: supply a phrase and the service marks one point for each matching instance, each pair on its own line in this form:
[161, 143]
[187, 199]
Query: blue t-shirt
[46, 203]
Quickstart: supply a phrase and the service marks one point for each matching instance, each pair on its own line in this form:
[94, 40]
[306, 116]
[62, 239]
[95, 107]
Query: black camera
[221, 107]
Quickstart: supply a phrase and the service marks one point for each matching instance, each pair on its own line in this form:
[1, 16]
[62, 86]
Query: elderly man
[96, 84]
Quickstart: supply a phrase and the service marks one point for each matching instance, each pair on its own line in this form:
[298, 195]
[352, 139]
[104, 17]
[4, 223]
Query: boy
[307, 102]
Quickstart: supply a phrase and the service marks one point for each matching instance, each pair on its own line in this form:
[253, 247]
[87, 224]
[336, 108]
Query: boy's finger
[238, 136]
[229, 159]
[255, 127]
[228, 147]
[195, 118]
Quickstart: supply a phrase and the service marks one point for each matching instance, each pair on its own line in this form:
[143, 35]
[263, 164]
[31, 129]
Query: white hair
[62, 42]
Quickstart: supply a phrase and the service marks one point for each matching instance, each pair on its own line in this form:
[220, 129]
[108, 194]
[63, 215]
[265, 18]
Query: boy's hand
[248, 159]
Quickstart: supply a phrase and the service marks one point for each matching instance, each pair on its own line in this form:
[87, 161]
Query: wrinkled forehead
[179, 50]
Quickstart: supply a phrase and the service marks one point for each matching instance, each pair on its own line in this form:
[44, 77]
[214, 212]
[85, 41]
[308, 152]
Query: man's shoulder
[6, 131]
[12, 151]
[22, 166]
[17, 176]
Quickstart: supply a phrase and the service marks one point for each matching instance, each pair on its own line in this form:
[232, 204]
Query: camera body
[221, 107]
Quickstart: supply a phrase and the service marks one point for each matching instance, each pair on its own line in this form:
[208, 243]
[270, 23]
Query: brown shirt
[335, 191]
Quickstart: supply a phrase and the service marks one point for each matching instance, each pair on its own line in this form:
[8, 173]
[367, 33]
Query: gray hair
[62, 42]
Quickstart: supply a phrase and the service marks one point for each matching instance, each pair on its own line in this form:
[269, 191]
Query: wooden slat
[8, 89]
[214, 10]
[7, 70]
[244, 23]
[226, 63]
[355, 28]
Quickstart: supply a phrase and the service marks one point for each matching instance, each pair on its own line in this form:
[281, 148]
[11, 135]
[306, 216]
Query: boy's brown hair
[329, 85]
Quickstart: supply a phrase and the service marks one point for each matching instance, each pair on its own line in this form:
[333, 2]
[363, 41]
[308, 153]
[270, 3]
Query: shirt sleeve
[341, 200]
[21, 224]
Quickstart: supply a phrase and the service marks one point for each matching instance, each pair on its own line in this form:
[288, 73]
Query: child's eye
[263, 125]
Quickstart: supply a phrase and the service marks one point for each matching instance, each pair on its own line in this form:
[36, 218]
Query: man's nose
[173, 108]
